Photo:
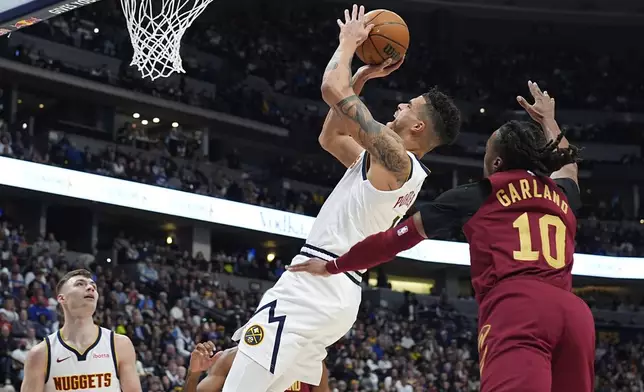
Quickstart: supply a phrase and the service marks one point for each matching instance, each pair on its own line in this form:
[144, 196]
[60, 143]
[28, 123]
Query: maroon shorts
[535, 337]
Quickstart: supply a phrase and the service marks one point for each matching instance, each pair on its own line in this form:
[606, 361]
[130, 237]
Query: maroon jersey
[525, 227]
[299, 387]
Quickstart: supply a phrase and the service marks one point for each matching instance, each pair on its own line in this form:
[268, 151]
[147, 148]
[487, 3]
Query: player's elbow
[330, 93]
[325, 141]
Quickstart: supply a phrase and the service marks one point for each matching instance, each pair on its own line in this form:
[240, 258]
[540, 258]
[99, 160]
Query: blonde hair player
[81, 356]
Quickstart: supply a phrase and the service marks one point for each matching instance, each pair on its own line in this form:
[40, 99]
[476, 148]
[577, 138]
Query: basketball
[389, 37]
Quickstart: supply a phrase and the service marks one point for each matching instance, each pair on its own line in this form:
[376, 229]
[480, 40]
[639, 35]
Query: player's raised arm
[126, 355]
[336, 136]
[382, 143]
[36, 369]
[543, 112]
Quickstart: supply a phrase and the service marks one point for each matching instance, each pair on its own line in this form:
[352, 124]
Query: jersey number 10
[527, 253]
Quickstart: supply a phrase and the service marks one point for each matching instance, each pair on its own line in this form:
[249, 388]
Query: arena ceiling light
[175, 125]
[136, 115]
[156, 120]
[144, 122]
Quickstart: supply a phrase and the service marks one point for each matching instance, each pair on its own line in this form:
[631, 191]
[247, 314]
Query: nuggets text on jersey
[536, 190]
[83, 382]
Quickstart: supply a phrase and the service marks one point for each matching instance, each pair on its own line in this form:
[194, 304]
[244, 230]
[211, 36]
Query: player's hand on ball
[353, 28]
[203, 357]
[379, 71]
[543, 107]
[312, 266]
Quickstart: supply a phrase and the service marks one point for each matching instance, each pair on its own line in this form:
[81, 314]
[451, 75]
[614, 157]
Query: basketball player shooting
[81, 356]
[285, 340]
[534, 333]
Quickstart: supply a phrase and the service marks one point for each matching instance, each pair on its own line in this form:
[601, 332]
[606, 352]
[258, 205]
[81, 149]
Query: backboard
[17, 14]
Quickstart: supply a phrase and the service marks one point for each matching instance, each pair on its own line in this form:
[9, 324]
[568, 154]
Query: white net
[156, 28]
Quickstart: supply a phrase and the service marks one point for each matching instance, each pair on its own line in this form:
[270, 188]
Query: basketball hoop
[156, 28]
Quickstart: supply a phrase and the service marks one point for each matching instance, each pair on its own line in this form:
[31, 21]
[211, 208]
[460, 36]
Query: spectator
[7, 345]
[147, 271]
[8, 311]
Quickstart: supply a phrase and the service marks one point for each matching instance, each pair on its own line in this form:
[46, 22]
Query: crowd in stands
[271, 50]
[167, 301]
[271, 47]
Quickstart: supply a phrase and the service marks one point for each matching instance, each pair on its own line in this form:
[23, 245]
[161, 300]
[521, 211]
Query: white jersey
[356, 210]
[303, 314]
[93, 370]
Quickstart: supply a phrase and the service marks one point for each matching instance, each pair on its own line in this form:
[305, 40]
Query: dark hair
[79, 272]
[444, 115]
[523, 145]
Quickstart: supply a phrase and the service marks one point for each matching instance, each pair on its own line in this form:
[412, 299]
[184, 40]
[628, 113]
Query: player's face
[492, 161]
[408, 116]
[79, 296]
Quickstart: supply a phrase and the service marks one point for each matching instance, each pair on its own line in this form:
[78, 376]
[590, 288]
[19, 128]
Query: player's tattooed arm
[382, 143]
[335, 136]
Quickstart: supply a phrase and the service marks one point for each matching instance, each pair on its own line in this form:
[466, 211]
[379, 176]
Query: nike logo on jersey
[64, 359]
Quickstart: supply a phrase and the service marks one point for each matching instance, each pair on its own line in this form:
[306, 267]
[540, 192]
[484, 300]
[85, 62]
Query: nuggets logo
[254, 335]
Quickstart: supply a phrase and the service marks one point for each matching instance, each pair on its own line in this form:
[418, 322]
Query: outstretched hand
[543, 107]
[203, 357]
[385, 69]
[312, 266]
[353, 29]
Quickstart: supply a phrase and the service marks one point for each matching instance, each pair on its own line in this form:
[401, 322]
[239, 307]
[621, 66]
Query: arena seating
[168, 301]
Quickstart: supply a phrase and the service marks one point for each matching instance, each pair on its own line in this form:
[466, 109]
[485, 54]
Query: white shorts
[297, 320]
[249, 376]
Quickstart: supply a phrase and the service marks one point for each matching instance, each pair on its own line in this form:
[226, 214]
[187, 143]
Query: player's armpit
[36, 369]
[384, 145]
[126, 362]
